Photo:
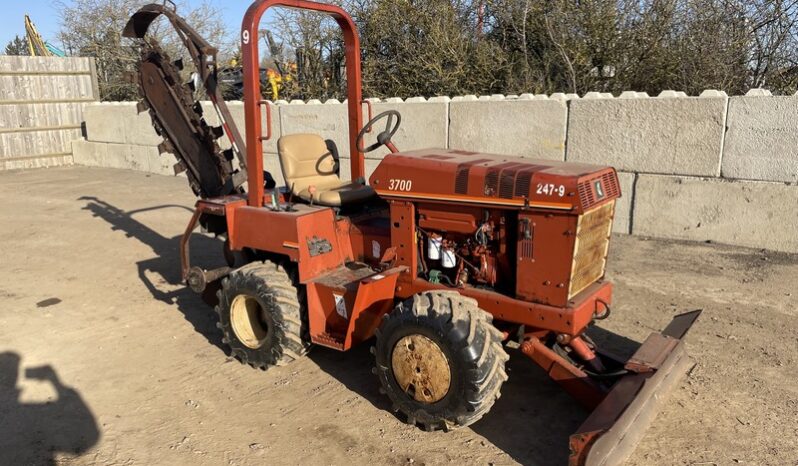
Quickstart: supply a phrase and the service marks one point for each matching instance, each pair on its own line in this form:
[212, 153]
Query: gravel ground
[106, 359]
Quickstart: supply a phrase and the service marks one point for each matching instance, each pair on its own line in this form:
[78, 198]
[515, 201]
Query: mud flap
[614, 428]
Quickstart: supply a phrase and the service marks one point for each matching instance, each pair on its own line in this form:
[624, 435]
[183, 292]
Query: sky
[45, 16]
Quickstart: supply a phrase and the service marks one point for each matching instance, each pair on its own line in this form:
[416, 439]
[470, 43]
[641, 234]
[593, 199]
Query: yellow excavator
[38, 47]
[276, 78]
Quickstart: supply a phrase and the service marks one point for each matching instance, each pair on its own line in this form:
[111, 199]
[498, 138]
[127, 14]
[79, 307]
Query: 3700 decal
[400, 185]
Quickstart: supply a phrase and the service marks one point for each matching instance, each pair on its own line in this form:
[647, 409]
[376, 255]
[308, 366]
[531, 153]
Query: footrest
[329, 340]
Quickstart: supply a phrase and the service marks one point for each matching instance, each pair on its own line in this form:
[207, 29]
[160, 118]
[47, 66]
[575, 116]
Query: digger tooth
[165, 146]
[142, 106]
[179, 168]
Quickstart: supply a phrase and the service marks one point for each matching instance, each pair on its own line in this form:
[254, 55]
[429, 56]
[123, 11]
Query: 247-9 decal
[549, 189]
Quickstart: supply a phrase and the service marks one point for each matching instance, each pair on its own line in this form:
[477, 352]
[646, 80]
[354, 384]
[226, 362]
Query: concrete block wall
[527, 126]
[762, 139]
[746, 213]
[425, 123]
[118, 136]
[705, 168]
[672, 135]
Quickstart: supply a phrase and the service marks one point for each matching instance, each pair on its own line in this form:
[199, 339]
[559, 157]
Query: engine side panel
[546, 244]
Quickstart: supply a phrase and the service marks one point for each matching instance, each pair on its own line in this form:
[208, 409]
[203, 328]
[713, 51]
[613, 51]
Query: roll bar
[252, 95]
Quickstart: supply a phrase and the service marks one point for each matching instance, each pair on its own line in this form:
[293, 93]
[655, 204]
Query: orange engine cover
[463, 177]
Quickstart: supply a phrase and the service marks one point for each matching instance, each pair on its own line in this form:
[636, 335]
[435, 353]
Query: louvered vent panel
[461, 178]
[586, 194]
[522, 182]
[610, 182]
[507, 183]
[525, 251]
[461, 181]
[491, 182]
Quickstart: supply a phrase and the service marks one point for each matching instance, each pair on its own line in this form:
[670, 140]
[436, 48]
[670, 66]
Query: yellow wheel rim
[247, 321]
[421, 369]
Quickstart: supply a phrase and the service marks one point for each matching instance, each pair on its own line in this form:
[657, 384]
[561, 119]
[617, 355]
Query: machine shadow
[353, 369]
[531, 421]
[37, 433]
[161, 273]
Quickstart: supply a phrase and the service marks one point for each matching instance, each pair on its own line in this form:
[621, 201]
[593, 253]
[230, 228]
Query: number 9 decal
[245, 37]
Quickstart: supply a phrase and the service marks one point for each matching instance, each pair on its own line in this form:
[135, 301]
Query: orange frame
[252, 96]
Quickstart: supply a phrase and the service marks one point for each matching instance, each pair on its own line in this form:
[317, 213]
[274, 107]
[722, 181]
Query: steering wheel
[324, 157]
[332, 151]
[384, 137]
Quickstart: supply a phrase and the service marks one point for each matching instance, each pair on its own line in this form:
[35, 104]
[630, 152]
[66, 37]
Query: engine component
[448, 258]
[434, 247]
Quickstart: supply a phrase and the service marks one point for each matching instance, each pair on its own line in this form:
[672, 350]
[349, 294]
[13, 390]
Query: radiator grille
[586, 195]
[611, 187]
[608, 183]
[590, 248]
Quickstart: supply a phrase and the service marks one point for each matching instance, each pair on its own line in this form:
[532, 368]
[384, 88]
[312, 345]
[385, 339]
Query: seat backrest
[306, 161]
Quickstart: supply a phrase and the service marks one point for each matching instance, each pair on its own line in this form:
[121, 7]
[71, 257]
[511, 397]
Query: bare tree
[427, 48]
[647, 45]
[437, 47]
[309, 47]
[94, 28]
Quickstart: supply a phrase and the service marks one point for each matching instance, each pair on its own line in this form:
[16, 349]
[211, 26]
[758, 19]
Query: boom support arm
[179, 119]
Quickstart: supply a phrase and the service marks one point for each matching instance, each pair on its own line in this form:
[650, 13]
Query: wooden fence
[41, 108]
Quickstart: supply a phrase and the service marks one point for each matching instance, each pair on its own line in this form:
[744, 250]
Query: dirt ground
[105, 358]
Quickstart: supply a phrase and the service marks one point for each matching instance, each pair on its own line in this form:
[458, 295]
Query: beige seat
[306, 163]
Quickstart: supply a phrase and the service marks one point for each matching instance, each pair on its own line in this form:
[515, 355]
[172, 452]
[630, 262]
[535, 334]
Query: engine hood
[459, 176]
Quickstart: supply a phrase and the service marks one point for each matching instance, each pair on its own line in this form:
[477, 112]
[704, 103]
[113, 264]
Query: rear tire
[262, 315]
[440, 360]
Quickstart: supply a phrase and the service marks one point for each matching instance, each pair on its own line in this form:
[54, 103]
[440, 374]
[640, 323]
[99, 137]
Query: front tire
[261, 316]
[440, 360]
